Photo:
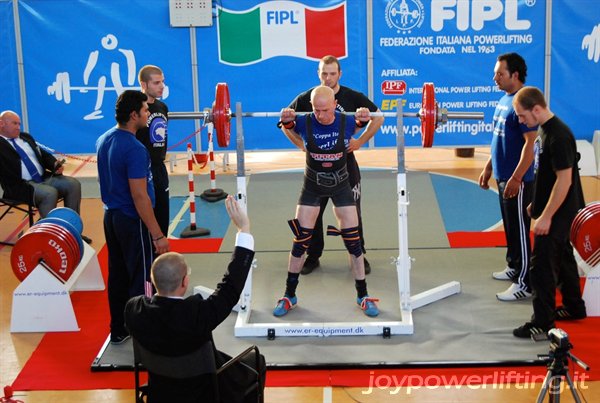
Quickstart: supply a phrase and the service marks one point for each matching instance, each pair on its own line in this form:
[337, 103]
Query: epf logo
[474, 13]
[279, 17]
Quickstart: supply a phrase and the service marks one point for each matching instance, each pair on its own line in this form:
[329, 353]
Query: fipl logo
[404, 15]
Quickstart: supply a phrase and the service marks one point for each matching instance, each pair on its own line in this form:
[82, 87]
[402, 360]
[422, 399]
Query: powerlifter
[326, 135]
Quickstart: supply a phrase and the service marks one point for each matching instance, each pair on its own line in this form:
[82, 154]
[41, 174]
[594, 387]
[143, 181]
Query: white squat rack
[243, 326]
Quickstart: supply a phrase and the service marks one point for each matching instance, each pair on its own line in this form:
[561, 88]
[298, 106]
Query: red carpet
[62, 360]
[189, 245]
[475, 239]
[466, 239]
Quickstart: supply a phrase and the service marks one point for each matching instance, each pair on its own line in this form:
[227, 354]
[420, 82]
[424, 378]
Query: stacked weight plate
[55, 240]
[585, 233]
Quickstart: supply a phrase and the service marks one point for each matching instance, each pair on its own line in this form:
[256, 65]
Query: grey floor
[471, 327]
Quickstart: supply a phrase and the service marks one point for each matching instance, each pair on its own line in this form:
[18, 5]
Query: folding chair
[26, 207]
[199, 362]
[17, 205]
[255, 369]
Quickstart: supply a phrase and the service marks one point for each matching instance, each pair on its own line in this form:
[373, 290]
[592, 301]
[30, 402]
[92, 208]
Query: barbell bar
[430, 114]
[202, 115]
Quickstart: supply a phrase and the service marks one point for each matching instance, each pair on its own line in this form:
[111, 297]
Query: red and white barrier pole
[191, 193]
[211, 159]
[213, 194]
[192, 230]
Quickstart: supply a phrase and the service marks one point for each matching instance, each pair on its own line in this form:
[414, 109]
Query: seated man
[169, 324]
[30, 174]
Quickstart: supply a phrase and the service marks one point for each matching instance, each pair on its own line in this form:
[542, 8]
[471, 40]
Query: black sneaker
[531, 331]
[310, 265]
[367, 266]
[116, 340]
[562, 314]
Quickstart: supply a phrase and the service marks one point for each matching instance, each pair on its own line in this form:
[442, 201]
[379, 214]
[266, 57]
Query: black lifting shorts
[311, 195]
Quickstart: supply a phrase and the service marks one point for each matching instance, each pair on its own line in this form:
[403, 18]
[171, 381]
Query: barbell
[430, 114]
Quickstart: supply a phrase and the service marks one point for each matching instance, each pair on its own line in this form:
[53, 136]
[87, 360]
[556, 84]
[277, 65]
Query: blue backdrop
[9, 82]
[454, 46]
[79, 54]
[575, 84]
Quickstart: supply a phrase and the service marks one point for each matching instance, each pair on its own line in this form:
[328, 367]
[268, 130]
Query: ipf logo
[404, 15]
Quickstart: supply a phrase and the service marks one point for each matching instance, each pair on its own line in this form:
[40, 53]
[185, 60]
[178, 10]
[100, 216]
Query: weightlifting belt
[327, 179]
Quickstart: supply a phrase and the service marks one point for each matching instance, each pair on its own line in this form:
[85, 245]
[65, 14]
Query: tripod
[556, 371]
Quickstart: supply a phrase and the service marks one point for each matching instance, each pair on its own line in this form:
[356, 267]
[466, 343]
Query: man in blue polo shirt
[511, 160]
[133, 235]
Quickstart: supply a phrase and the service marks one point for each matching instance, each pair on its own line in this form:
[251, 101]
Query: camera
[559, 339]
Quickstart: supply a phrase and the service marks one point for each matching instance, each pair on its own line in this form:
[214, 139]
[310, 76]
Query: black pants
[317, 244]
[516, 224]
[160, 178]
[552, 266]
[130, 256]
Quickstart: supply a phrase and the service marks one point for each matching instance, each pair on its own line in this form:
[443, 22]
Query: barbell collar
[464, 115]
[188, 115]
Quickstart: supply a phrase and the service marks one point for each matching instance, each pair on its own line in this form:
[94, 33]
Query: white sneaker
[513, 293]
[506, 274]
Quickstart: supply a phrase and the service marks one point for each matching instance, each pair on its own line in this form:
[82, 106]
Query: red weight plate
[583, 214]
[39, 245]
[68, 245]
[72, 239]
[55, 232]
[68, 226]
[61, 246]
[428, 115]
[575, 224]
[68, 237]
[587, 239]
[221, 112]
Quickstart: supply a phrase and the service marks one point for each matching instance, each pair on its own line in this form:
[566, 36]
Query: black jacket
[175, 327]
[10, 169]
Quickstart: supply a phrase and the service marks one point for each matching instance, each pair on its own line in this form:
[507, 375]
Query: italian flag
[281, 28]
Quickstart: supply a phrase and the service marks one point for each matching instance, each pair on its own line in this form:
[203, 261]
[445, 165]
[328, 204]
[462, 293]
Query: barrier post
[213, 194]
[192, 230]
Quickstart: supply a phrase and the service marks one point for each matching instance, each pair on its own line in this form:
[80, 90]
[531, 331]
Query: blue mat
[464, 205]
[211, 216]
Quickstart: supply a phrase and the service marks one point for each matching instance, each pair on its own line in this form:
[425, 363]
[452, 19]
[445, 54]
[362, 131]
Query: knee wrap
[351, 238]
[302, 237]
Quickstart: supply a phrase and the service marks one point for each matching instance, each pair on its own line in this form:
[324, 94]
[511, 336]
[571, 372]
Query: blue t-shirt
[121, 157]
[508, 141]
[324, 136]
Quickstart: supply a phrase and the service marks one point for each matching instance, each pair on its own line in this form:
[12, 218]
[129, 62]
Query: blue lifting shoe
[284, 305]
[367, 304]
